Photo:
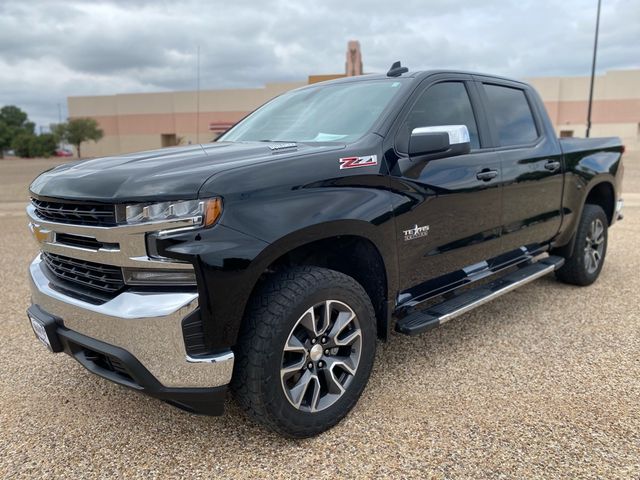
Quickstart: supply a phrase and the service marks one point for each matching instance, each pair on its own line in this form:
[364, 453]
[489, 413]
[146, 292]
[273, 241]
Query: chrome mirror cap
[457, 133]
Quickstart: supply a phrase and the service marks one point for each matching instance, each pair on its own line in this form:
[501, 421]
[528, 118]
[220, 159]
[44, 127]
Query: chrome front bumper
[146, 324]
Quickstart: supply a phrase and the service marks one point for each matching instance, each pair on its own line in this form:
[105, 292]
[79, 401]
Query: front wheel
[585, 263]
[305, 351]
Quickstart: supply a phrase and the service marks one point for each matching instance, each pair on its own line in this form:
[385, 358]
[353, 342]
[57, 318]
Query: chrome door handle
[486, 175]
[552, 165]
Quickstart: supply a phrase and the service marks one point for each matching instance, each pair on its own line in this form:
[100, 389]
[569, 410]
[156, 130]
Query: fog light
[138, 276]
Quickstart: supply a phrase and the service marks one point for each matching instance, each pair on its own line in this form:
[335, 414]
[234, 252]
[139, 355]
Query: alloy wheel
[321, 356]
[594, 246]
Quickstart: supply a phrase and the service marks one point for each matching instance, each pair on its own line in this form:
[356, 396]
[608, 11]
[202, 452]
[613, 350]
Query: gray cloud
[52, 49]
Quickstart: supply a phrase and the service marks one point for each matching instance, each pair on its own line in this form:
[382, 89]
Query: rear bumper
[143, 330]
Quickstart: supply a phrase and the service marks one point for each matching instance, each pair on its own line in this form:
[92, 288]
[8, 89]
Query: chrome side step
[434, 316]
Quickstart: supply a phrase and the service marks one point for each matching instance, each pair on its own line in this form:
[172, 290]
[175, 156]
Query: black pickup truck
[274, 259]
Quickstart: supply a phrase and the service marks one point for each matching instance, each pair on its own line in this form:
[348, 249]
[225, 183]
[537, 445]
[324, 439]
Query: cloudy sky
[52, 49]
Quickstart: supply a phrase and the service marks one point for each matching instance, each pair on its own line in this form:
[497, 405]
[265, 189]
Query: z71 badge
[355, 162]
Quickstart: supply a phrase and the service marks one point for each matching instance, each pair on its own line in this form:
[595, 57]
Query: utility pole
[593, 71]
[198, 98]
[59, 122]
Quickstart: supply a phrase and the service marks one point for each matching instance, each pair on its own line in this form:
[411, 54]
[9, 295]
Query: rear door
[449, 216]
[531, 163]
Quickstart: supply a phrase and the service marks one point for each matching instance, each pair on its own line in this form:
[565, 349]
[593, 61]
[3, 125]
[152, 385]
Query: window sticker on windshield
[327, 137]
[395, 84]
[355, 162]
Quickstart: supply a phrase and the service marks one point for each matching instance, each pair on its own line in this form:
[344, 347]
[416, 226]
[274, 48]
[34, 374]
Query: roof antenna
[396, 70]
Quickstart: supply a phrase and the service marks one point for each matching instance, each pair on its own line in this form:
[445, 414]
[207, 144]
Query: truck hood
[167, 174]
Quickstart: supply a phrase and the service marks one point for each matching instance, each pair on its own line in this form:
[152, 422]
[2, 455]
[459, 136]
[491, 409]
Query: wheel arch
[600, 192]
[350, 248]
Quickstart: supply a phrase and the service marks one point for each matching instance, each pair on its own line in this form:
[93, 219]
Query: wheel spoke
[599, 230]
[346, 363]
[310, 323]
[341, 323]
[288, 371]
[349, 339]
[333, 385]
[587, 259]
[294, 345]
[326, 318]
[298, 392]
[590, 261]
[316, 394]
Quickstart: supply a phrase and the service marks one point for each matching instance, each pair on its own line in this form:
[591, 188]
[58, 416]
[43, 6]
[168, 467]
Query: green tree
[44, 145]
[13, 122]
[21, 144]
[27, 145]
[78, 130]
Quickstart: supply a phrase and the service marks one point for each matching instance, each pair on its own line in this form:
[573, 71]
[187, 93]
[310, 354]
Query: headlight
[201, 212]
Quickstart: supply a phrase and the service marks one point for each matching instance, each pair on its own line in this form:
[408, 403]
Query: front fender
[229, 263]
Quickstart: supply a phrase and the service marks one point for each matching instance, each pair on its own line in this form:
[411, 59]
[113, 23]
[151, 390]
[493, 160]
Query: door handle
[552, 165]
[486, 174]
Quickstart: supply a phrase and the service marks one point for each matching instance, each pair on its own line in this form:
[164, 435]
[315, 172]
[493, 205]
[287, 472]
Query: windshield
[329, 113]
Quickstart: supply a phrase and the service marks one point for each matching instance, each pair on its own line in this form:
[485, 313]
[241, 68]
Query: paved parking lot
[543, 382]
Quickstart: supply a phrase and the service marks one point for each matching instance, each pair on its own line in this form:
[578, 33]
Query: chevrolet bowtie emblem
[40, 234]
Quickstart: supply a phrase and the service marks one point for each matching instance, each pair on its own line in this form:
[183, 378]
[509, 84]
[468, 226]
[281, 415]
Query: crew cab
[274, 259]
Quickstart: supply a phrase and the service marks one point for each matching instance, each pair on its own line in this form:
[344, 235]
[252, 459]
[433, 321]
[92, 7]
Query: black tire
[274, 314]
[579, 269]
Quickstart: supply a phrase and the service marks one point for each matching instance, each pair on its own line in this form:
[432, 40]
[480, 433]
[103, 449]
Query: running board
[434, 316]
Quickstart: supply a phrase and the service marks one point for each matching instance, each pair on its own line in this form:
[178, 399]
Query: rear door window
[512, 115]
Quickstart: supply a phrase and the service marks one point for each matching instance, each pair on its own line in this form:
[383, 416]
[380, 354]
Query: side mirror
[439, 142]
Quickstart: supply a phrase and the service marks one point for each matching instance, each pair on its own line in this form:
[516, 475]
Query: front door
[448, 210]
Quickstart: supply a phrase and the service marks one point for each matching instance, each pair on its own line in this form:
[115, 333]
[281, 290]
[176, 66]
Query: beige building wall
[145, 121]
[615, 109]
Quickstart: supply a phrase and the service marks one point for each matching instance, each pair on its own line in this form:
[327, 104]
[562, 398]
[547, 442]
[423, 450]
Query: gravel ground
[541, 383]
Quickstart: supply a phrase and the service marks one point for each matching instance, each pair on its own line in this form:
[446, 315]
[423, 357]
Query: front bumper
[142, 329]
[119, 366]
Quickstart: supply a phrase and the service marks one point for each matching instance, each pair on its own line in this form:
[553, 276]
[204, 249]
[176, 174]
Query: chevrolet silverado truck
[273, 260]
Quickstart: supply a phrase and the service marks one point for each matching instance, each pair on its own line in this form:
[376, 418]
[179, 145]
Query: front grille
[93, 276]
[83, 242]
[95, 214]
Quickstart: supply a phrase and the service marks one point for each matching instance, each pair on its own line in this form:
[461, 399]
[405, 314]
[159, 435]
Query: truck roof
[419, 74]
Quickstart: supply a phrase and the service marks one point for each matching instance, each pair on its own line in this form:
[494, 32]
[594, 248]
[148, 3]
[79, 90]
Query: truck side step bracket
[421, 320]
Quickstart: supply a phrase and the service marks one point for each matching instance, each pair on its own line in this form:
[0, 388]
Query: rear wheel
[305, 351]
[585, 263]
